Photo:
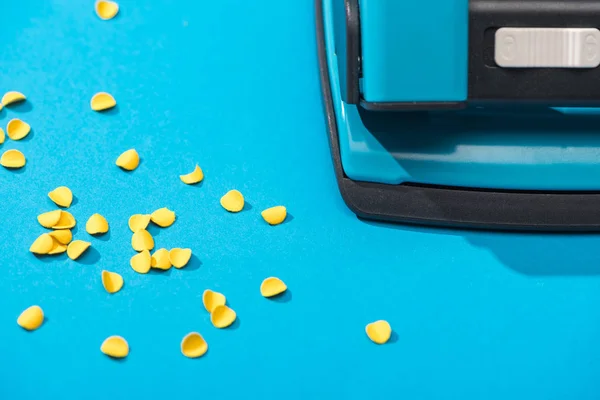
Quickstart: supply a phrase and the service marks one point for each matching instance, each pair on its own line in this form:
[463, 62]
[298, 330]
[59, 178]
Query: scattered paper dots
[102, 101]
[63, 236]
[193, 177]
[76, 248]
[233, 201]
[106, 9]
[212, 299]
[49, 219]
[31, 319]
[138, 222]
[272, 287]
[193, 345]
[180, 257]
[42, 245]
[274, 215]
[128, 160]
[57, 248]
[141, 262]
[66, 221]
[115, 346]
[12, 159]
[160, 259]
[142, 240]
[96, 224]
[12, 97]
[222, 316]
[112, 281]
[61, 196]
[379, 331]
[17, 129]
[163, 217]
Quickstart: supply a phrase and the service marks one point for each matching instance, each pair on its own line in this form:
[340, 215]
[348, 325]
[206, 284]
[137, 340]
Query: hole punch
[485, 117]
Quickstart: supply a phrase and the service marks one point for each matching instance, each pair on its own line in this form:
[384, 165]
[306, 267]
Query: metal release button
[547, 47]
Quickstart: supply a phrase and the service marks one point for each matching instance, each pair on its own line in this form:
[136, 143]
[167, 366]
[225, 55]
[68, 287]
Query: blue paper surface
[233, 86]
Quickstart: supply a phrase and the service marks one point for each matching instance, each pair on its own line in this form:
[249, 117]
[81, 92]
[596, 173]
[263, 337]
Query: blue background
[233, 86]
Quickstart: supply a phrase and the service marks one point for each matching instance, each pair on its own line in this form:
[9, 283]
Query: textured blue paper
[233, 85]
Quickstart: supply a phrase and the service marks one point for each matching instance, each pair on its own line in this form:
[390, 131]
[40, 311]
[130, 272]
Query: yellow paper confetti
[66, 220]
[112, 281]
[212, 299]
[12, 97]
[138, 221]
[115, 346]
[233, 201]
[62, 196]
[62, 236]
[12, 159]
[106, 9]
[17, 129]
[128, 160]
[42, 245]
[142, 240]
[2, 136]
[31, 319]
[379, 331]
[163, 217]
[58, 248]
[272, 286]
[49, 219]
[160, 259]
[76, 248]
[193, 177]
[193, 345]
[102, 101]
[96, 224]
[141, 262]
[180, 257]
[274, 215]
[222, 316]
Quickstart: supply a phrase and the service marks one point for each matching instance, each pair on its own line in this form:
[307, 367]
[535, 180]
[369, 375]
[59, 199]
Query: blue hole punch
[468, 113]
